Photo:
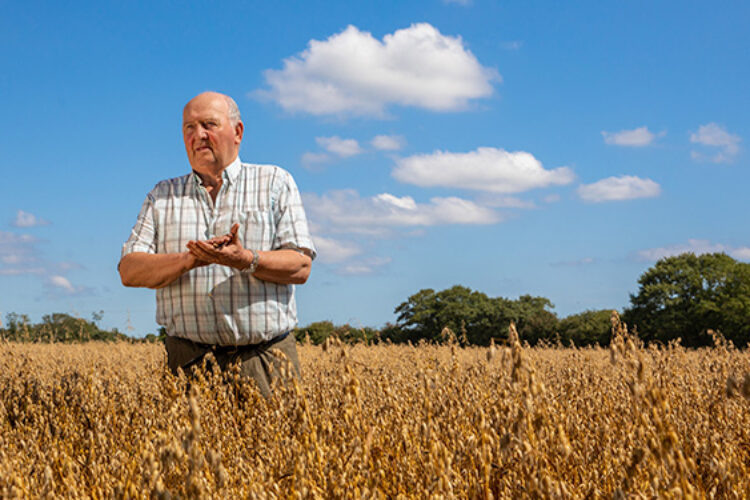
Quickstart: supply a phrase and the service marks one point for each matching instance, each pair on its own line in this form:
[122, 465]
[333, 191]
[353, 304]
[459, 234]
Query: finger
[234, 233]
[217, 255]
[204, 245]
[220, 241]
[201, 253]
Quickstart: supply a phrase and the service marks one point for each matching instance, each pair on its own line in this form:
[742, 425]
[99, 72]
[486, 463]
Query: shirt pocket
[257, 230]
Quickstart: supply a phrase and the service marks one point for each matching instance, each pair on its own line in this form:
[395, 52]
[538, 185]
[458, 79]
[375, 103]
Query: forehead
[203, 107]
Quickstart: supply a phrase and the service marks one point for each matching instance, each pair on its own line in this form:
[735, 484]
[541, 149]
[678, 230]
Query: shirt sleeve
[291, 222]
[143, 235]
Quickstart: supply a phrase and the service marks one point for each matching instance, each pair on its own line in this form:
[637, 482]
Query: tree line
[59, 327]
[687, 297]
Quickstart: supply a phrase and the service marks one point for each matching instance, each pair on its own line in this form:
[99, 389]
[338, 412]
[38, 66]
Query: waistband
[229, 349]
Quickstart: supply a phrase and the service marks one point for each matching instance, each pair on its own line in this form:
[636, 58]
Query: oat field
[381, 421]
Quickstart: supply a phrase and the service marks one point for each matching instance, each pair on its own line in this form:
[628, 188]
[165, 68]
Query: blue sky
[549, 148]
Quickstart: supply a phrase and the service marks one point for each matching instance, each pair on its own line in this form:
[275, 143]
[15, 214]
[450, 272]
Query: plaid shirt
[217, 304]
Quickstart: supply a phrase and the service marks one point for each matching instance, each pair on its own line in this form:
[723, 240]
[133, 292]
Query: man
[223, 246]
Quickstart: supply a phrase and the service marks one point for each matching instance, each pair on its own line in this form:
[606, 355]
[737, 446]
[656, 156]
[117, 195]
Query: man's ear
[239, 129]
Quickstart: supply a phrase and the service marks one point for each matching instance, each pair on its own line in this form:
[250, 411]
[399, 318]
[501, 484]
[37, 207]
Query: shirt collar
[232, 171]
[229, 174]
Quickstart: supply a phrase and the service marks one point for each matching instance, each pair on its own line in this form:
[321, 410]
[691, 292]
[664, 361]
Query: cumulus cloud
[696, 246]
[715, 136]
[25, 219]
[486, 169]
[342, 148]
[366, 266]
[353, 73]
[490, 200]
[345, 211]
[626, 187]
[60, 286]
[388, 142]
[638, 137]
[311, 160]
[333, 250]
[62, 283]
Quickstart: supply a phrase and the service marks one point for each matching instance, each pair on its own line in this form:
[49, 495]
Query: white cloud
[312, 159]
[486, 169]
[638, 137]
[332, 250]
[17, 250]
[25, 219]
[59, 285]
[343, 148]
[353, 73]
[18, 271]
[715, 136]
[388, 142]
[492, 200]
[551, 198]
[367, 266]
[345, 211]
[463, 3]
[62, 282]
[698, 247]
[19, 256]
[625, 187]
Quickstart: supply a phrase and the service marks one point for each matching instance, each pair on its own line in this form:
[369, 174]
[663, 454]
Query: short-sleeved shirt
[217, 304]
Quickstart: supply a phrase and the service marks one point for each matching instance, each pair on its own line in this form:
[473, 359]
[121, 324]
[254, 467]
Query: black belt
[232, 349]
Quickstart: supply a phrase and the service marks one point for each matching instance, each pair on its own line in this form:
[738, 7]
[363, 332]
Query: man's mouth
[202, 148]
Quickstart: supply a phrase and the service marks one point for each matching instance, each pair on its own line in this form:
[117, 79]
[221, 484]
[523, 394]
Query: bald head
[212, 130]
[233, 111]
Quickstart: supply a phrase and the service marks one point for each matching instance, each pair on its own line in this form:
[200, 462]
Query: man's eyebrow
[199, 120]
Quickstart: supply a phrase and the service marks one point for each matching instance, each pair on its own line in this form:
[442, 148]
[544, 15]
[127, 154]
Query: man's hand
[195, 261]
[224, 250]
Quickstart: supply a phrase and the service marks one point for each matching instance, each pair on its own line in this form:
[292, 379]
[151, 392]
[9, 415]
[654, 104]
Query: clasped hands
[225, 250]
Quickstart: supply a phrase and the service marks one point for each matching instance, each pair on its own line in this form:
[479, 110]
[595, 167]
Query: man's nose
[201, 132]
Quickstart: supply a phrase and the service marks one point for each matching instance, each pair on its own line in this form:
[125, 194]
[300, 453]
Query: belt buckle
[230, 350]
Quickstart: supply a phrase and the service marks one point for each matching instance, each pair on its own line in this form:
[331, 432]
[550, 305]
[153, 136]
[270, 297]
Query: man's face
[211, 141]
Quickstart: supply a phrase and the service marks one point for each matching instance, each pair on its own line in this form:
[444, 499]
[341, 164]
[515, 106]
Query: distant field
[103, 420]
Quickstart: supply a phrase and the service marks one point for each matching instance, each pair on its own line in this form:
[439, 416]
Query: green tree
[318, 331]
[587, 328]
[18, 327]
[56, 327]
[426, 313]
[534, 321]
[686, 295]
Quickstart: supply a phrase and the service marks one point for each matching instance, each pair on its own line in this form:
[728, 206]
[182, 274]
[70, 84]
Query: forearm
[287, 267]
[140, 269]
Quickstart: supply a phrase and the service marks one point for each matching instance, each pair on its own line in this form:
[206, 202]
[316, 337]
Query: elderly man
[223, 246]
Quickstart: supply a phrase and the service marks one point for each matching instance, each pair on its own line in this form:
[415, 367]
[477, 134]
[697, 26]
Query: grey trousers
[256, 362]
